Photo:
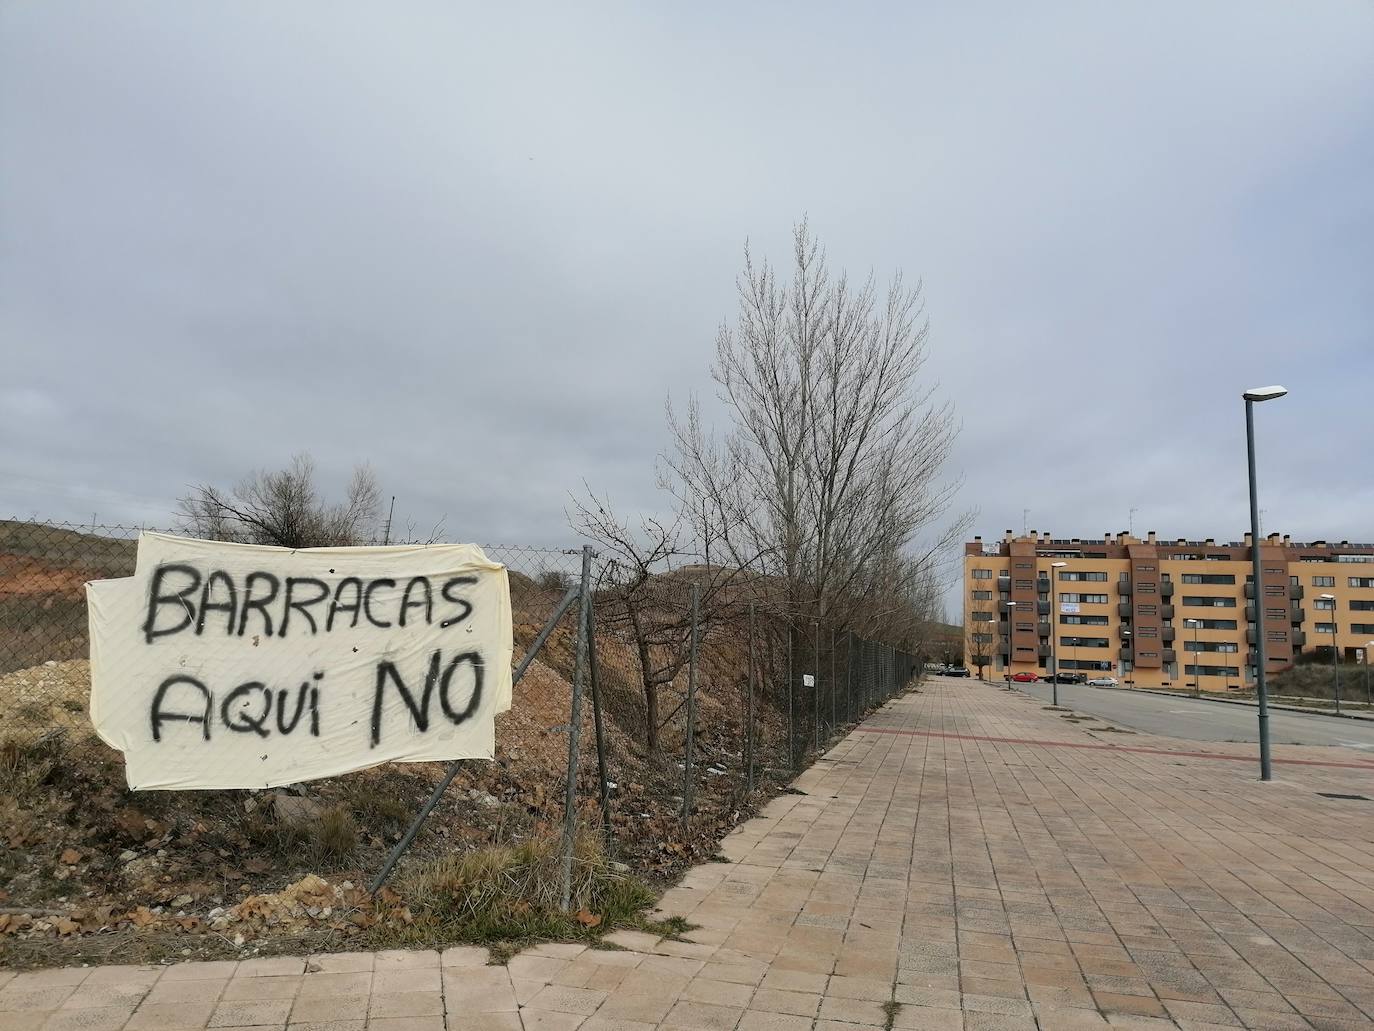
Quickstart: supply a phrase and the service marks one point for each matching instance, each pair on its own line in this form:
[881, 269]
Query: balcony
[1004, 583]
[1297, 614]
[1249, 613]
[1123, 632]
[1295, 592]
[1166, 589]
[1042, 586]
[1250, 635]
[1124, 610]
[1006, 606]
[1043, 629]
[1042, 608]
[1299, 639]
[1166, 634]
[1166, 612]
[1170, 655]
[1250, 589]
[1043, 650]
[1127, 654]
[1123, 587]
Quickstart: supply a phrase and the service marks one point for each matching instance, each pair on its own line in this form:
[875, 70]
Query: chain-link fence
[699, 693]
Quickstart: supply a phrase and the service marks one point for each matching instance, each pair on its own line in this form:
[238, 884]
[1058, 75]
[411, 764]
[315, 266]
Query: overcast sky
[479, 248]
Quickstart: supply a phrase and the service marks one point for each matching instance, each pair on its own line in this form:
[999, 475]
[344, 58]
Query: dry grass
[507, 895]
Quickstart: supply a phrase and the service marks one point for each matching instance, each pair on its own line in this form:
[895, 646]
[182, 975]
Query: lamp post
[1054, 608]
[1335, 654]
[1261, 688]
[1366, 673]
[1197, 664]
[1011, 629]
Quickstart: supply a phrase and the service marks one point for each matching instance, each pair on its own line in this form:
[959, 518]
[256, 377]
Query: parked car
[956, 671]
[1102, 682]
[1065, 678]
[1025, 678]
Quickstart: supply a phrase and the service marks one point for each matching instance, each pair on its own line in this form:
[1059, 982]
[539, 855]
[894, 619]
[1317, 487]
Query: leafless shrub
[284, 508]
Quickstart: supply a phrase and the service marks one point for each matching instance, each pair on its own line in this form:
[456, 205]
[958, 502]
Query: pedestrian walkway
[965, 859]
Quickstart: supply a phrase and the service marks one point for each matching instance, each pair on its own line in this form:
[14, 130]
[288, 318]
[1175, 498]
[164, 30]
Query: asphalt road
[1206, 721]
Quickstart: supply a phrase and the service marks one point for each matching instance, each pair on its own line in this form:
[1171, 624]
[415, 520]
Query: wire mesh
[772, 690]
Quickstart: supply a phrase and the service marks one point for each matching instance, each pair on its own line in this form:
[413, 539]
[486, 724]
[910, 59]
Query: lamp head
[1264, 393]
[1327, 597]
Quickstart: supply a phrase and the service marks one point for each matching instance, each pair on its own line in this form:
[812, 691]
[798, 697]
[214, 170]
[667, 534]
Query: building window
[1207, 600]
[982, 617]
[1210, 671]
[1326, 628]
[1360, 605]
[982, 574]
[1025, 585]
[1065, 574]
[1276, 614]
[1211, 646]
[1362, 628]
[982, 596]
[1085, 599]
[1323, 581]
[1209, 578]
[1083, 642]
[1276, 636]
[1362, 581]
[1147, 610]
[1324, 604]
[1083, 620]
[1273, 571]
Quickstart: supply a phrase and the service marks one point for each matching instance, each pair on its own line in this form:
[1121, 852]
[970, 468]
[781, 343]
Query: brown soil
[88, 865]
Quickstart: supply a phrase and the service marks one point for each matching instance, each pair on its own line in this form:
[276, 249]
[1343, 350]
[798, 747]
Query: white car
[1102, 682]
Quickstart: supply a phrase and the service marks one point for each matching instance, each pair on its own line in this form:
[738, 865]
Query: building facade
[1163, 613]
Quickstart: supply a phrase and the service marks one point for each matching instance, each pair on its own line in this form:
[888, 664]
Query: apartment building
[1163, 613]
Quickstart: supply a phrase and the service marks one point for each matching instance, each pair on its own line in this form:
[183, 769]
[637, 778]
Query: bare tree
[832, 469]
[284, 508]
[646, 578]
[979, 635]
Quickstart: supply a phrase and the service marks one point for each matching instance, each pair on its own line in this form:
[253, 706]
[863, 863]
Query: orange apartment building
[1159, 613]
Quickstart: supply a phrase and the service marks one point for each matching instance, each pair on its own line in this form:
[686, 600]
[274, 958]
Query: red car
[1025, 678]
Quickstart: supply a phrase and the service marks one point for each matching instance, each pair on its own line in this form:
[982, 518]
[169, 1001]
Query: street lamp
[1011, 629]
[1261, 690]
[1054, 608]
[1335, 655]
[1197, 663]
[1366, 673]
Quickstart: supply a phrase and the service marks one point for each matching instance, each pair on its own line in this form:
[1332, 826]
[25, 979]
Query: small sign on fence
[808, 680]
[233, 666]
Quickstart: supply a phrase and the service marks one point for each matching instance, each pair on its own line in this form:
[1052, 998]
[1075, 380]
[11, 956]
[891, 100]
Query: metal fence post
[816, 684]
[575, 731]
[687, 777]
[792, 729]
[749, 711]
[595, 676]
[832, 681]
[849, 677]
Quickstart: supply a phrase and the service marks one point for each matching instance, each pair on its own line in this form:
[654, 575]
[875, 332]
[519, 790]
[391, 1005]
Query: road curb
[1358, 717]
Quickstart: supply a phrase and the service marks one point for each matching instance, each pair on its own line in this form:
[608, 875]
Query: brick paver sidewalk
[966, 859]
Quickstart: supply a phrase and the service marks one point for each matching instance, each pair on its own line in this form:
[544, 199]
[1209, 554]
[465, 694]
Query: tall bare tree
[832, 470]
[285, 508]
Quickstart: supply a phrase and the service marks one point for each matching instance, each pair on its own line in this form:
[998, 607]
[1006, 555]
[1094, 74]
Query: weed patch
[506, 896]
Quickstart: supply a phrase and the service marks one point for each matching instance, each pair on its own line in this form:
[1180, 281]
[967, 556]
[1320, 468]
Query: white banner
[233, 666]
